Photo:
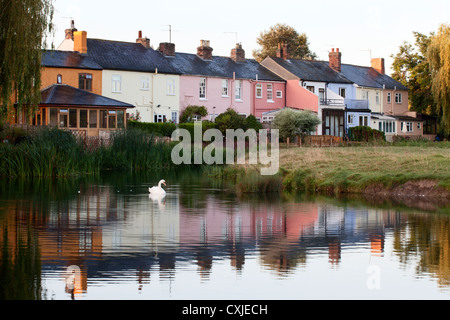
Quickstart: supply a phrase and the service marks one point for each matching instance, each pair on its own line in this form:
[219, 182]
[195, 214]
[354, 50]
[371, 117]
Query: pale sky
[360, 29]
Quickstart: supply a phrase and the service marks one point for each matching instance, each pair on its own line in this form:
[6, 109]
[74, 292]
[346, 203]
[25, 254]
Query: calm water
[107, 239]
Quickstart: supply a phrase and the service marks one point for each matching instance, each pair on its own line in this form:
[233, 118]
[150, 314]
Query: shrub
[292, 123]
[251, 123]
[163, 129]
[230, 119]
[186, 114]
[366, 134]
[190, 126]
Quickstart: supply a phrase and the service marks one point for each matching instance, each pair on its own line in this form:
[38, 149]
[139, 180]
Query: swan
[158, 190]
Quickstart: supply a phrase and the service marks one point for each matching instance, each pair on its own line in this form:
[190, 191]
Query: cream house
[133, 73]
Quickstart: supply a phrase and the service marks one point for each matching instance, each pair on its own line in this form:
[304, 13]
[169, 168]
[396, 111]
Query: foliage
[251, 123]
[412, 69]
[190, 126]
[230, 119]
[439, 60]
[291, 123]
[366, 134]
[282, 33]
[186, 114]
[163, 129]
[23, 31]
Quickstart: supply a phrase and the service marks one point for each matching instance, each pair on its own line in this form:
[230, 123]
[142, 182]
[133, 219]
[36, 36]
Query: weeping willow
[439, 60]
[24, 28]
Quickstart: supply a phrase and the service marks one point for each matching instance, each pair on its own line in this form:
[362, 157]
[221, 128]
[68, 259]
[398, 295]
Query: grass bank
[407, 169]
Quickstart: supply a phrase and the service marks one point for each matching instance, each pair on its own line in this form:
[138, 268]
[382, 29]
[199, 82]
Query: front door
[333, 122]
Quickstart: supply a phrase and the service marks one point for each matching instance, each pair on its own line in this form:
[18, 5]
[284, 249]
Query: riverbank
[421, 170]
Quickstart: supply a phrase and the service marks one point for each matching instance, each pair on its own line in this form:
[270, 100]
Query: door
[333, 122]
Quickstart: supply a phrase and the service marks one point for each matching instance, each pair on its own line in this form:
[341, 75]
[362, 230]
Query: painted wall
[70, 77]
[375, 105]
[146, 91]
[300, 98]
[393, 107]
[190, 95]
[263, 104]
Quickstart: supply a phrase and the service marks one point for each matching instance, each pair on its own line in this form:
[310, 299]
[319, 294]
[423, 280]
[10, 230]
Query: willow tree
[282, 33]
[24, 29]
[439, 60]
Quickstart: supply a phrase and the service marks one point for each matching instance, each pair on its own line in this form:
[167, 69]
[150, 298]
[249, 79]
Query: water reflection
[114, 232]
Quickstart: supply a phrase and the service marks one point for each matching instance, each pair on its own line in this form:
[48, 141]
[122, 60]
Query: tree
[230, 119]
[411, 68]
[191, 111]
[291, 123]
[282, 33]
[439, 60]
[23, 32]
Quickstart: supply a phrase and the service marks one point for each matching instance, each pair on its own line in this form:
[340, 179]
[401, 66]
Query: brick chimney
[237, 53]
[69, 32]
[80, 41]
[204, 51]
[378, 64]
[167, 49]
[144, 41]
[335, 58]
[283, 51]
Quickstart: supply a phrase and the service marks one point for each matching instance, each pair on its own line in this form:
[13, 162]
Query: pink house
[219, 83]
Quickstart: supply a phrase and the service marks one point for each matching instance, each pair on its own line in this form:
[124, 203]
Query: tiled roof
[308, 70]
[65, 95]
[223, 67]
[68, 59]
[127, 56]
[369, 77]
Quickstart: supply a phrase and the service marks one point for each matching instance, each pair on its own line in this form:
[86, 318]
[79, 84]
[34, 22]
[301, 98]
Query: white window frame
[342, 90]
[279, 94]
[224, 87]
[409, 127]
[116, 83]
[238, 90]
[175, 116]
[389, 97]
[363, 121]
[269, 92]
[398, 98]
[259, 91]
[377, 97]
[145, 84]
[350, 119]
[202, 89]
[170, 85]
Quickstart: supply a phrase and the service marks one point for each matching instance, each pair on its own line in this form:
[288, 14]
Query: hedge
[163, 129]
[366, 134]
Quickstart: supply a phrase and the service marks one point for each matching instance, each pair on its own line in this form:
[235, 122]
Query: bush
[230, 119]
[163, 129]
[366, 134]
[251, 123]
[292, 123]
[186, 114]
[190, 126]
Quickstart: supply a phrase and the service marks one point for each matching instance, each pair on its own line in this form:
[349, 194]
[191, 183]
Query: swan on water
[158, 189]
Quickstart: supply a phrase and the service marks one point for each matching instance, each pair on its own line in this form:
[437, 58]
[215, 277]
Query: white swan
[158, 190]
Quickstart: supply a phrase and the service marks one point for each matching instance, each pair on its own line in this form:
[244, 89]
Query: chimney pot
[144, 41]
[335, 60]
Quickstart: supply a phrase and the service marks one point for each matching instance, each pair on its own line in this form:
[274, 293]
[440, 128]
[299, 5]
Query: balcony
[353, 104]
[332, 102]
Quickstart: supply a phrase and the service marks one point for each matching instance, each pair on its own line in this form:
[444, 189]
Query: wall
[300, 98]
[393, 107]
[70, 77]
[374, 106]
[261, 105]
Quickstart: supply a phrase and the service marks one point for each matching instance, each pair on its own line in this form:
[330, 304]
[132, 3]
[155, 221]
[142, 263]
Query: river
[106, 239]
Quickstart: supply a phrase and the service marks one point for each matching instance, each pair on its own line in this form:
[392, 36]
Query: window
[116, 84]
[419, 125]
[174, 116]
[408, 126]
[93, 119]
[84, 81]
[387, 126]
[389, 97]
[321, 95]
[202, 93]
[112, 119]
[363, 121]
[103, 119]
[63, 117]
[269, 92]
[160, 118]
[342, 92]
[170, 87]
[145, 83]
[59, 79]
[121, 119]
[398, 98]
[224, 88]
[377, 97]
[350, 119]
[310, 88]
[73, 118]
[279, 94]
[83, 118]
[267, 119]
[365, 95]
[238, 90]
[53, 117]
[259, 91]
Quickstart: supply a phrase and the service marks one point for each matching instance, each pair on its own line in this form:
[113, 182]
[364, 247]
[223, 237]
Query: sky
[360, 29]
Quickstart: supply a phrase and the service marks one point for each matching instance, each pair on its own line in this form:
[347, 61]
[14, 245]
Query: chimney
[335, 60]
[144, 41]
[378, 64]
[69, 32]
[80, 41]
[283, 51]
[167, 49]
[237, 53]
[204, 51]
